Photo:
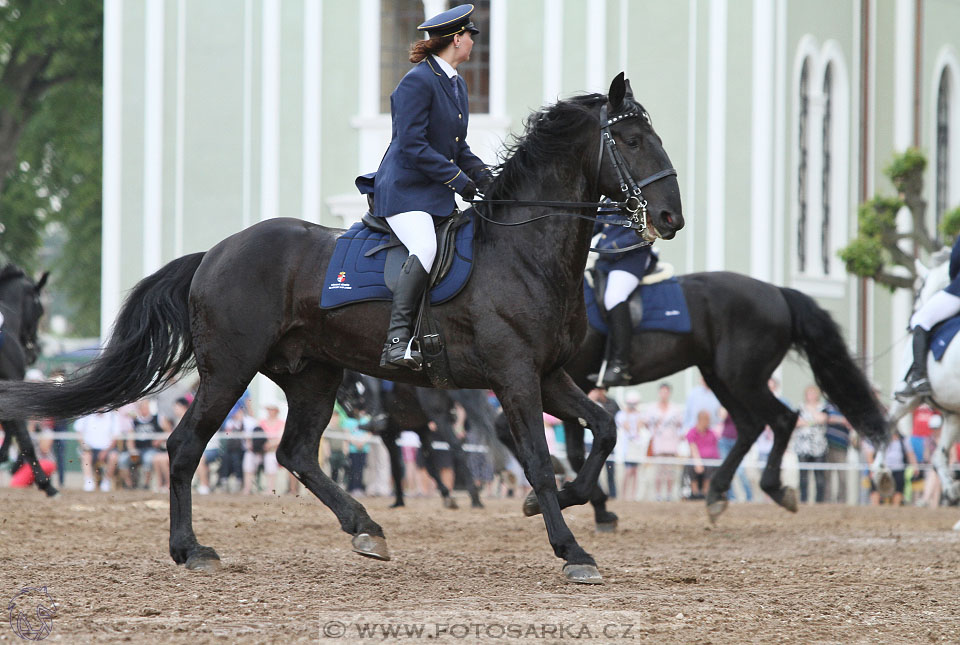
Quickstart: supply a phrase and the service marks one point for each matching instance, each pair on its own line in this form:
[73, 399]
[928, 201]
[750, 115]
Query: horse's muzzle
[664, 225]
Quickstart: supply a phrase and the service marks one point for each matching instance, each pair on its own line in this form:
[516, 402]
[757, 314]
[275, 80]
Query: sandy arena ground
[827, 574]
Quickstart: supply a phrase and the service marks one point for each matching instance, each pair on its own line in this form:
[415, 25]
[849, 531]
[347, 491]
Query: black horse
[414, 408]
[21, 309]
[251, 304]
[742, 329]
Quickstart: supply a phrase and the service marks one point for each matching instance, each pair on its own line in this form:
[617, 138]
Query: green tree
[876, 251]
[51, 60]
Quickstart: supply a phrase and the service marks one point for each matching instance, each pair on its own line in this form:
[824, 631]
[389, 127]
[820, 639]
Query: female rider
[942, 305]
[428, 160]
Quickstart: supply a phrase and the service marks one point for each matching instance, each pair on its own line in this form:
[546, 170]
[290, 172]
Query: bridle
[634, 205]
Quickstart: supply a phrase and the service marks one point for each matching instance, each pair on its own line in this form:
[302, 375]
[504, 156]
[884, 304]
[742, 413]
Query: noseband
[634, 205]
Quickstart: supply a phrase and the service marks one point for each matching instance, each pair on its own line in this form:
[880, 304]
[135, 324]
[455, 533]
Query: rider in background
[942, 305]
[624, 272]
[427, 162]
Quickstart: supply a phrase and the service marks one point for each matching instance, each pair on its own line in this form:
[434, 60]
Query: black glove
[484, 180]
[469, 191]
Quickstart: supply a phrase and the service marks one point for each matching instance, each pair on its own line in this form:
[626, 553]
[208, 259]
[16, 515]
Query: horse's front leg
[18, 429]
[524, 410]
[941, 461]
[563, 399]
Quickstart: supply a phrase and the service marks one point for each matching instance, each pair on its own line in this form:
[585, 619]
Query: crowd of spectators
[665, 451]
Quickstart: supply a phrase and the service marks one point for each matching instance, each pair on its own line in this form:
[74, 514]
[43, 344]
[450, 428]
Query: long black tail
[818, 337]
[150, 344]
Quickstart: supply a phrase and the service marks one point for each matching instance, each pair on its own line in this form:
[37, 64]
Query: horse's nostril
[667, 217]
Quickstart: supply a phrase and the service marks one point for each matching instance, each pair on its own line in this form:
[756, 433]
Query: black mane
[546, 141]
[10, 271]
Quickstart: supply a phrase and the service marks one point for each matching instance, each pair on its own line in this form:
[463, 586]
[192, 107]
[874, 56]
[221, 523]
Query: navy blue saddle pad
[664, 308]
[942, 335]
[353, 277]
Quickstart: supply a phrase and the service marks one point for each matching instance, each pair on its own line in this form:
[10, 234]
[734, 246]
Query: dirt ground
[827, 574]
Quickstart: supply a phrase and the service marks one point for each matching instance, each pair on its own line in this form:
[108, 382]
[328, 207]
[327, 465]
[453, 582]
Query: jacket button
[459, 116]
[456, 138]
[451, 161]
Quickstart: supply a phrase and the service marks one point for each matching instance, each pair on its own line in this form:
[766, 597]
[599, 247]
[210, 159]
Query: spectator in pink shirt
[703, 445]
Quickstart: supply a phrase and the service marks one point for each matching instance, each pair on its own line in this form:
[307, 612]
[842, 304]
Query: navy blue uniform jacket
[614, 236]
[954, 287]
[428, 159]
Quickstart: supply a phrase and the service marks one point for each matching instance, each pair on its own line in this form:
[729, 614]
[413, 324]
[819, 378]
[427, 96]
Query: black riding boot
[406, 298]
[917, 383]
[621, 334]
[373, 406]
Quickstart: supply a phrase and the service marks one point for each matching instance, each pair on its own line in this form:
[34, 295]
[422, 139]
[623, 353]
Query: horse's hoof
[203, 562]
[883, 480]
[398, 504]
[584, 574]
[607, 527]
[789, 499]
[476, 503]
[51, 491]
[716, 509]
[371, 546]
[956, 527]
[531, 505]
[952, 492]
[449, 502]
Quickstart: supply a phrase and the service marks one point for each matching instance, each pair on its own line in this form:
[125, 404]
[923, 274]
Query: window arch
[942, 196]
[826, 169]
[803, 151]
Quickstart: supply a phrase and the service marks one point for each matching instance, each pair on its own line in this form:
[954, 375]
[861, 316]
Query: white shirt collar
[445, 66]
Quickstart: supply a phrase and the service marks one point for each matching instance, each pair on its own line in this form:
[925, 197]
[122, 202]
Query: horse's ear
[42, 281]
[629, 93]
[618, 89]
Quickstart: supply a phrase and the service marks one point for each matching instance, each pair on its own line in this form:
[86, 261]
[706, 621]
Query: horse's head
[643, 158]
[22, 295]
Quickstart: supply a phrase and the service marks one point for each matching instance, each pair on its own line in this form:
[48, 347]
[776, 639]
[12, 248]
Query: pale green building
[778, 114]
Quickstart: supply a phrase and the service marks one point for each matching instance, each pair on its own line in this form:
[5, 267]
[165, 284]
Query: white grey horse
[944, 378]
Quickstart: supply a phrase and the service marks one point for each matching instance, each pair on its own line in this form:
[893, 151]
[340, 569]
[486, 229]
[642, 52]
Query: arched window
[826, 182]
[802, 155]
[398, 29]
[943, 147]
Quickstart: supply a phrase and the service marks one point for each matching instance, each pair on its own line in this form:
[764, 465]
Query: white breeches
[620, 284]
[415, 229]
[942, 305]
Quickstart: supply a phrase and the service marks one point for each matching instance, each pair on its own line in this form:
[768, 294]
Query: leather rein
[634, 204]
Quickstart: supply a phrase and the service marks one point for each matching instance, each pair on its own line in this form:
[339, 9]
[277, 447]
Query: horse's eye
[633, 143]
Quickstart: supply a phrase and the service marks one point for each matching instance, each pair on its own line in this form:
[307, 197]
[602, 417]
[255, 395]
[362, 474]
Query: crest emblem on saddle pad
[341, 282]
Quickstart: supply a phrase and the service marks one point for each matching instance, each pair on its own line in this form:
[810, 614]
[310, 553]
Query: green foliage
[950, 223]
[905, 167]
[864, 256]
[878, 216]
[50, 133]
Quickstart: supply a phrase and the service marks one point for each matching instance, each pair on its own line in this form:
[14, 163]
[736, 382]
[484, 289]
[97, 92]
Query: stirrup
[411, 357]
[913, 389]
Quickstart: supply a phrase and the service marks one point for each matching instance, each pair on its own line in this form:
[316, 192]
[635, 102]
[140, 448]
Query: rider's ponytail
[423, 48]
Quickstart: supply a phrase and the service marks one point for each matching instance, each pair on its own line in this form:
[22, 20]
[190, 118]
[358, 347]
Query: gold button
[459, 116]
[451, 161]
[456, 138]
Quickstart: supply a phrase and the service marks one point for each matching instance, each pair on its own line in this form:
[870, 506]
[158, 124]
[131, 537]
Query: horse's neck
[556, 247]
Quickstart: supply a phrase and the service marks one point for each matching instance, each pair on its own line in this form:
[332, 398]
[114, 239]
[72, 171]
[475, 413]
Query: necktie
[456, 88]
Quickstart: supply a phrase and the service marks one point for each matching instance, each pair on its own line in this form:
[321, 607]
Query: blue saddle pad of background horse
[353, 277]
[664, 308]
[942, 335]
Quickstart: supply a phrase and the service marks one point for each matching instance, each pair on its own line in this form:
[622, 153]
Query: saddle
[658, 272]
[427, 333]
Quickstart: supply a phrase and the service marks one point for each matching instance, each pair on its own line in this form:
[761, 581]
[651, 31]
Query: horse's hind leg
[185, 447]
[389, 438]
[18, 429]
[311, 394]
[941, 461]
[605, 520]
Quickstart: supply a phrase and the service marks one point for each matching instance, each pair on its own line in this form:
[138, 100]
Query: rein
[635, 205]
